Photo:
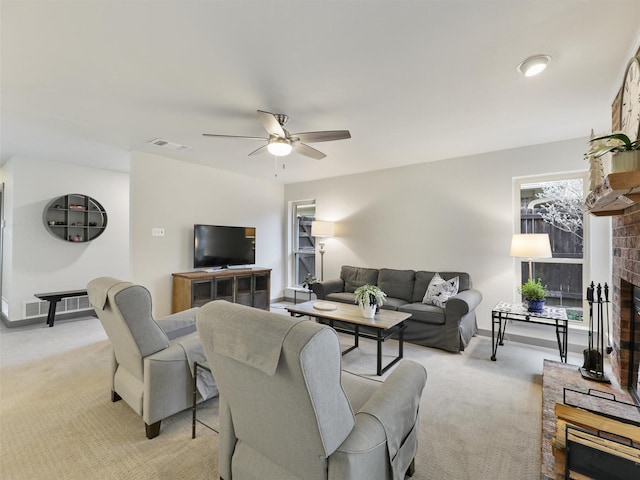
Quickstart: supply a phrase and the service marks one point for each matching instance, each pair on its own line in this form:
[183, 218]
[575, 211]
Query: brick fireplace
[626, 275]
[625, 321]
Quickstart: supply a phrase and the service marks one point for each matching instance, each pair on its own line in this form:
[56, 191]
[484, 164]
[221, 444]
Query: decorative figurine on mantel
[596, 169]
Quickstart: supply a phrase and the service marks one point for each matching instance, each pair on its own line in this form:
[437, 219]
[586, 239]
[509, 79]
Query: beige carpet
[479, 419]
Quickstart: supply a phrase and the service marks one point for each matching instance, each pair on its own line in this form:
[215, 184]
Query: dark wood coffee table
[385, 324]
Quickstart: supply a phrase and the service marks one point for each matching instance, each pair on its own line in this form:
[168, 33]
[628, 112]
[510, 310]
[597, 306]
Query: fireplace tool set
[593, 368]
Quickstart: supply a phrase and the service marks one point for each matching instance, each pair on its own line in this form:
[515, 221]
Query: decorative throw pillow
[440, 290]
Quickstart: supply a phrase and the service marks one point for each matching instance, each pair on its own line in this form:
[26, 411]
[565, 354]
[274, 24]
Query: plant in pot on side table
[534, 293]
[369, 297]
[309, 281]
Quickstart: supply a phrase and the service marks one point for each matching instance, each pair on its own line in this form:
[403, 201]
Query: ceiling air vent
[158, 142]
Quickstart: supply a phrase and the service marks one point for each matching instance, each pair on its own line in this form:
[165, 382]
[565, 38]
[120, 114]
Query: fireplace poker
[588, 355]
[606, 299]
[600, 347]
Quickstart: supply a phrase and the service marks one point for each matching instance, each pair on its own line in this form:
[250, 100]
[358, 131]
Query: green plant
[370, 294]
[614, 143]
[533, 290]
[308, 281]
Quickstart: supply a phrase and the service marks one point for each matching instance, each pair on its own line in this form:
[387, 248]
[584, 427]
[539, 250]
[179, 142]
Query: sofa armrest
[322, 289]
[462, 303]
[179, 324]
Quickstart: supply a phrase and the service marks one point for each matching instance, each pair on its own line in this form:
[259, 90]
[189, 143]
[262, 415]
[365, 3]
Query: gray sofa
[449, 328]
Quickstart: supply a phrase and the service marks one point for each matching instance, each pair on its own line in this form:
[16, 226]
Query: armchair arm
[322, 289]
[462, 303]
[395, 407]
[179, 324]
[395, 403]
[168, 384]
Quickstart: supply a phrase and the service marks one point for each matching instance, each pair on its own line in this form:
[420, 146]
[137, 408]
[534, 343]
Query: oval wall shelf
[75, 218]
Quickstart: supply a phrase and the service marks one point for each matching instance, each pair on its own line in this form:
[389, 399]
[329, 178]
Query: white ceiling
[414, 81]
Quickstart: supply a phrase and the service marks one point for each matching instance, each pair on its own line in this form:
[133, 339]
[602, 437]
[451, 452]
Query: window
[554, 206]
[303, 244]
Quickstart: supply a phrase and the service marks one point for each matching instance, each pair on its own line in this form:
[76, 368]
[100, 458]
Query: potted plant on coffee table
[369, 297]
[534, 293]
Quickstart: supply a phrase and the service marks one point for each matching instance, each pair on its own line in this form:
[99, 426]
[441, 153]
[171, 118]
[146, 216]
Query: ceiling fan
[280, 142]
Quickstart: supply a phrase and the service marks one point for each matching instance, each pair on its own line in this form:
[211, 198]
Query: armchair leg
[115, 397]
[412, 468]
[152, 430]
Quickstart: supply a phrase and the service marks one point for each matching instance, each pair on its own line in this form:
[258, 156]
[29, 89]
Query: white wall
[453, 214]
[34, 260]
[176, 195]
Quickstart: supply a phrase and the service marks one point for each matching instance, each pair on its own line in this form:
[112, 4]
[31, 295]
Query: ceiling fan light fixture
[280, 147]
[534, 65]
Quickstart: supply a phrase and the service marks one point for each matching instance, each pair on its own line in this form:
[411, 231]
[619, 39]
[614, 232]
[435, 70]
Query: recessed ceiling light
[534, 65]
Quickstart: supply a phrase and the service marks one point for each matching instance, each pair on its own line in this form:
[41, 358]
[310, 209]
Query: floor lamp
[531, 245]
[322, 230]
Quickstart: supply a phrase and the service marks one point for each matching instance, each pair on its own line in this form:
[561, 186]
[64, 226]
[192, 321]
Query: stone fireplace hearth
[625, 321]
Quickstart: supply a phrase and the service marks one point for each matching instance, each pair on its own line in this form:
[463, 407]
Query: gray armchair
[287, 411]
[152, 362]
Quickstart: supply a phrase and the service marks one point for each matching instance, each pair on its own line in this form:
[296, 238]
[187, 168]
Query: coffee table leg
[379, 342]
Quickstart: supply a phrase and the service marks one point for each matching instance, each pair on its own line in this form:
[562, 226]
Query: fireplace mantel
[615, 194]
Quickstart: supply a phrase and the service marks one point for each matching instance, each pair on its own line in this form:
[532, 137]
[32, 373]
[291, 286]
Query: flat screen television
[218, 246]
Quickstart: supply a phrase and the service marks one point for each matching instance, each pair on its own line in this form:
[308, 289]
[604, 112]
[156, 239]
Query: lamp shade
[531, 245]
[321, 228]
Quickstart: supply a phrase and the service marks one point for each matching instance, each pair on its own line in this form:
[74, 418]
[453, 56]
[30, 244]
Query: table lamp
[531, 245]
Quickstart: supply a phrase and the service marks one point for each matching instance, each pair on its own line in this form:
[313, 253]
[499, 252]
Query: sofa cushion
[440, 290]
[397, 283]
[391, 303]
[422, 279]
[355, 277]
[342, 297]
[424, 313]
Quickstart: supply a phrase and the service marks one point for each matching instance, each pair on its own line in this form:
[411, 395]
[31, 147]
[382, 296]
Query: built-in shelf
[617, 192]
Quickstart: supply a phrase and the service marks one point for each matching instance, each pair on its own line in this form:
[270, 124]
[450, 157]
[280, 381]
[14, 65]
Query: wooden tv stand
[250, 286]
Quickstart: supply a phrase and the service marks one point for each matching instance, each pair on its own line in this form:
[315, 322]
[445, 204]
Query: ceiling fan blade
[307, 151]
[233, 136]
[259, 150]
[326, 136]
[271, 124]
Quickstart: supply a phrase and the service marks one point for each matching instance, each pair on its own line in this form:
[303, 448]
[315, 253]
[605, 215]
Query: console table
[551, 316]
[247, 286]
